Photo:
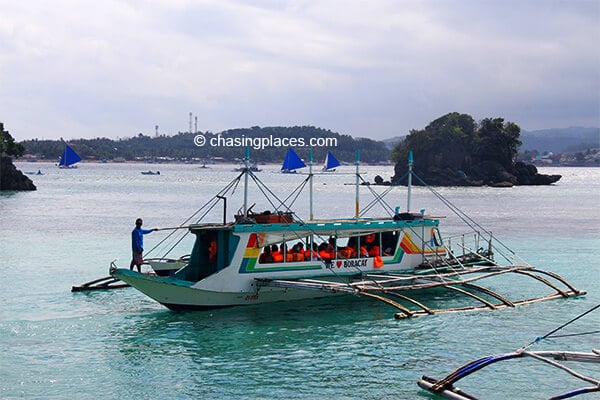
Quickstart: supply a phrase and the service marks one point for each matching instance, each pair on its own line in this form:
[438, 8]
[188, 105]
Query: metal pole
[357, 208]
[246, 171]
[410, 168]
[310, 177]
[224, 208]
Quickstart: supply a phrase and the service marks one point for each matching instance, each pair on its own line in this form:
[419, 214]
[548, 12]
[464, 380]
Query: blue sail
[69, 157]
[330, 162]
[292, 162]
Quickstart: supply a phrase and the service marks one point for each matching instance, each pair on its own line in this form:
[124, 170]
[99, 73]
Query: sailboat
[292, 162]
[330, 163]
[68, 158]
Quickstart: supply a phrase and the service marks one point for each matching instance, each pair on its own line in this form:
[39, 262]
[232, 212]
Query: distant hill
[561, 140]
[269, 145]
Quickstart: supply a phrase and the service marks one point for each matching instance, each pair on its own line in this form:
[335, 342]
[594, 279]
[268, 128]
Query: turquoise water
[121, 345]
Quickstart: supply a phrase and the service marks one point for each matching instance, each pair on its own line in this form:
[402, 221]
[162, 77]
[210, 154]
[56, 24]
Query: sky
[378, 69]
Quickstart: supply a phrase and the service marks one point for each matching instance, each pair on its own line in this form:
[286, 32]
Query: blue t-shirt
[137, 238]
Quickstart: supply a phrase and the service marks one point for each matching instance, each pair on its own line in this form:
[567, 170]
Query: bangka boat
[275, 255]
[445, 387]
[69, 158]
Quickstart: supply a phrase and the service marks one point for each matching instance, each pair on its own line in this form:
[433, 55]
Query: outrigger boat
[276, 256]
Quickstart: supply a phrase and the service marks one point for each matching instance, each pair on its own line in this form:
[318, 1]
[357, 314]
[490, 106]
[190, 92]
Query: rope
[547, 335]
[210, 204]
[576, 334]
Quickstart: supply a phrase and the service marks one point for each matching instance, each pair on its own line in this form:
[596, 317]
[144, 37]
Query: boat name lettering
[355, 263]
[361, 262]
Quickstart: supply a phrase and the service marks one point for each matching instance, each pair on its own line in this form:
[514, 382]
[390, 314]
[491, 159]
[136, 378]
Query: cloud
[116, 68]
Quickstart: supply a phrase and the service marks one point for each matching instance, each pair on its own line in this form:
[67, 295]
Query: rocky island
[10, 177]
[454, 150]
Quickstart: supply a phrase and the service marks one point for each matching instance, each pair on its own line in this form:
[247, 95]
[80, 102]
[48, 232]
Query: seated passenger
[346, 252]
[298, 254]
[277, 256]
[311, 254]
[324, 252]
[266, 256]
[373, 250]
[288, 254]
[363, 251]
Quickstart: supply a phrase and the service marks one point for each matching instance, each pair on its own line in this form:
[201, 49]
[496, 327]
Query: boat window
[389, 242]
[290, 251]
[317, 247]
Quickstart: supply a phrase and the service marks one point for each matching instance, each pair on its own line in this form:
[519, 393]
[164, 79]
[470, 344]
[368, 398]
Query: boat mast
[357, 207]
[410, 167]
[246, 171]
[310, 177]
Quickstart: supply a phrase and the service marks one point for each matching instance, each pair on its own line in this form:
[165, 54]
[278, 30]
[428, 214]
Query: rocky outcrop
[454, 150]
[487, 173]
[527, 174]
[11, 178]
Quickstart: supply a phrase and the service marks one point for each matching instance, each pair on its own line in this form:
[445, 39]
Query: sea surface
[119, 344]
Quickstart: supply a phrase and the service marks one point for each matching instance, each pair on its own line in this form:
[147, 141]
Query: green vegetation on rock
[454, 150]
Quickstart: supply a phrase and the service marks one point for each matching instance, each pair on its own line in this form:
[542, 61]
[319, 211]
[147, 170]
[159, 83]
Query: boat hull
[182, 295]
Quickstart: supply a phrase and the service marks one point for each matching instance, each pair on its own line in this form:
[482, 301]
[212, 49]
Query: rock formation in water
[11, 178]
[454, 150]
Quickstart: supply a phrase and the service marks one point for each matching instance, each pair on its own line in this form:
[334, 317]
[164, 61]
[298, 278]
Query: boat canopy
[277, 233]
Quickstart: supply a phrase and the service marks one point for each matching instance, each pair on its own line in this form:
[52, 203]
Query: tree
[498, 141]
[8, 146]
[445, 143]
[455, 150]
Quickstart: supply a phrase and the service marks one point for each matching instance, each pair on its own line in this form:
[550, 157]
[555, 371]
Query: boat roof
[349, 227]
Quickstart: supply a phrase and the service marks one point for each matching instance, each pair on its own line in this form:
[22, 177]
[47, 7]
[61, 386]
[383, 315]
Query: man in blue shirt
[137, 244]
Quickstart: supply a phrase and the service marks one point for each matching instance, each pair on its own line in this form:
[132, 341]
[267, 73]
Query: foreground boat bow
[445, 387]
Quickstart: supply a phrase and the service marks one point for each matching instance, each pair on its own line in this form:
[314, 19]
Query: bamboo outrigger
[392, 289]
[106, 283]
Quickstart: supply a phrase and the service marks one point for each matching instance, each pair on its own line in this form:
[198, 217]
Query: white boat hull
[177, 295]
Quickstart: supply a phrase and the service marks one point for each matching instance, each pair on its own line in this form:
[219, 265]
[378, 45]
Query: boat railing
[463, 248]
[465, 243]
